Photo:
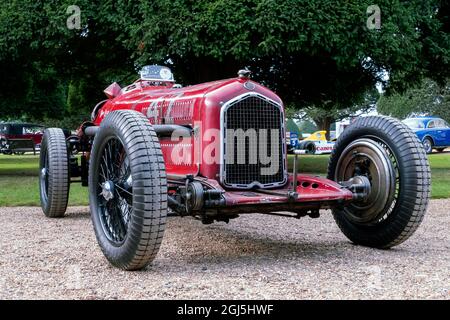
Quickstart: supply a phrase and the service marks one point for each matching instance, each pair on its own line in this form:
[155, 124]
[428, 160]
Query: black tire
[130, 225]
[308, 146]
[391, 215]
[54, 179]
[428, 145]
[440, 149]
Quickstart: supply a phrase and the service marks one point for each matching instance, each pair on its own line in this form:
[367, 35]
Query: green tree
[428, 98]
[307, 126]
[324, 117]
[49, 70]
[292, 127]
[312, 53]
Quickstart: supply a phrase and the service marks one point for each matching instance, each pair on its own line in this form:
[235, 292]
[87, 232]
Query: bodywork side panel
[197, 107]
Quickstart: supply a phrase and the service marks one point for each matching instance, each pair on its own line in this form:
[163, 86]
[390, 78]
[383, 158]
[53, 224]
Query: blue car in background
[433, 132]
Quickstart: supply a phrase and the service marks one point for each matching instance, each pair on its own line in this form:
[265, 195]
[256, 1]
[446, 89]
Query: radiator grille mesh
[256, 124]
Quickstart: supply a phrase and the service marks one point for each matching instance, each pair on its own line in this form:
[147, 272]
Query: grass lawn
[19, 182]
[440, 175]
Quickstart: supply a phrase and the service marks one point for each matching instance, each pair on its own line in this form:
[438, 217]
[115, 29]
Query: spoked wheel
[54, 178]
[390, 155]
[114, 191]
[128, 190]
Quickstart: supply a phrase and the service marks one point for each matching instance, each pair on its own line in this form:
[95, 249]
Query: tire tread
[415, 186]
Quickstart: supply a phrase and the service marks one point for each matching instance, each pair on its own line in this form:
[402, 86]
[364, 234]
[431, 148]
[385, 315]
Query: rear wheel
[128, 190]
[389, 154]
[427, 145]
[54, 179]
[440, 149]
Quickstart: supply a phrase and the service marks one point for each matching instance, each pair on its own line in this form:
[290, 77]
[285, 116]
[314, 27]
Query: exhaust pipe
[91, 131]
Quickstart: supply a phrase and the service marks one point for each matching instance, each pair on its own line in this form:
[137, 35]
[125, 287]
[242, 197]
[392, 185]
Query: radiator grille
[253, 154]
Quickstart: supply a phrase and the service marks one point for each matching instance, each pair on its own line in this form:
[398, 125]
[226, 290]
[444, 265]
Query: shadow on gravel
[77, 215]
[220, 244]
[187, 241]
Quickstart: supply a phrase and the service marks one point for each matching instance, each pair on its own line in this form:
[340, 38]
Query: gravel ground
[255, 256]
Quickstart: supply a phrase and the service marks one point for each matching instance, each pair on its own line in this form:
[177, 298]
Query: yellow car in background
[321, 144]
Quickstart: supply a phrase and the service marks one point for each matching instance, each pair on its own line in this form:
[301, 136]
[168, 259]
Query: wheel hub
[427, 145]
[43, 173]
[108, 190]
[128, 182]
[365, 157]
[359, 186]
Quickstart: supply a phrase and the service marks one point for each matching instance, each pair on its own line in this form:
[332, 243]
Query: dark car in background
[432, 131]
[20, 137]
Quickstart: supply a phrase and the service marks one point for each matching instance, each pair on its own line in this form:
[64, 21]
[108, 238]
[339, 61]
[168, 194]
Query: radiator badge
[249, 85]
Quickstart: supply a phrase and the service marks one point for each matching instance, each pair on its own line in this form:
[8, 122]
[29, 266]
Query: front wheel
[128, 190]
[390, 155]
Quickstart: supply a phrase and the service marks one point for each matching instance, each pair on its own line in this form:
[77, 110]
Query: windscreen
[156, 73]
[414, 123]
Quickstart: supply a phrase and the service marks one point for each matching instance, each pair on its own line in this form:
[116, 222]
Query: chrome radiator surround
[282, 175]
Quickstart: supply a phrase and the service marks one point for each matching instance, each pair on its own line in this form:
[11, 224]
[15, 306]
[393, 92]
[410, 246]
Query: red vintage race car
[217, 150]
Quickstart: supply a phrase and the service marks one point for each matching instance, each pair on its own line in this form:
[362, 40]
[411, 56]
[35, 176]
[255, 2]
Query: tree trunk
[325, 124]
